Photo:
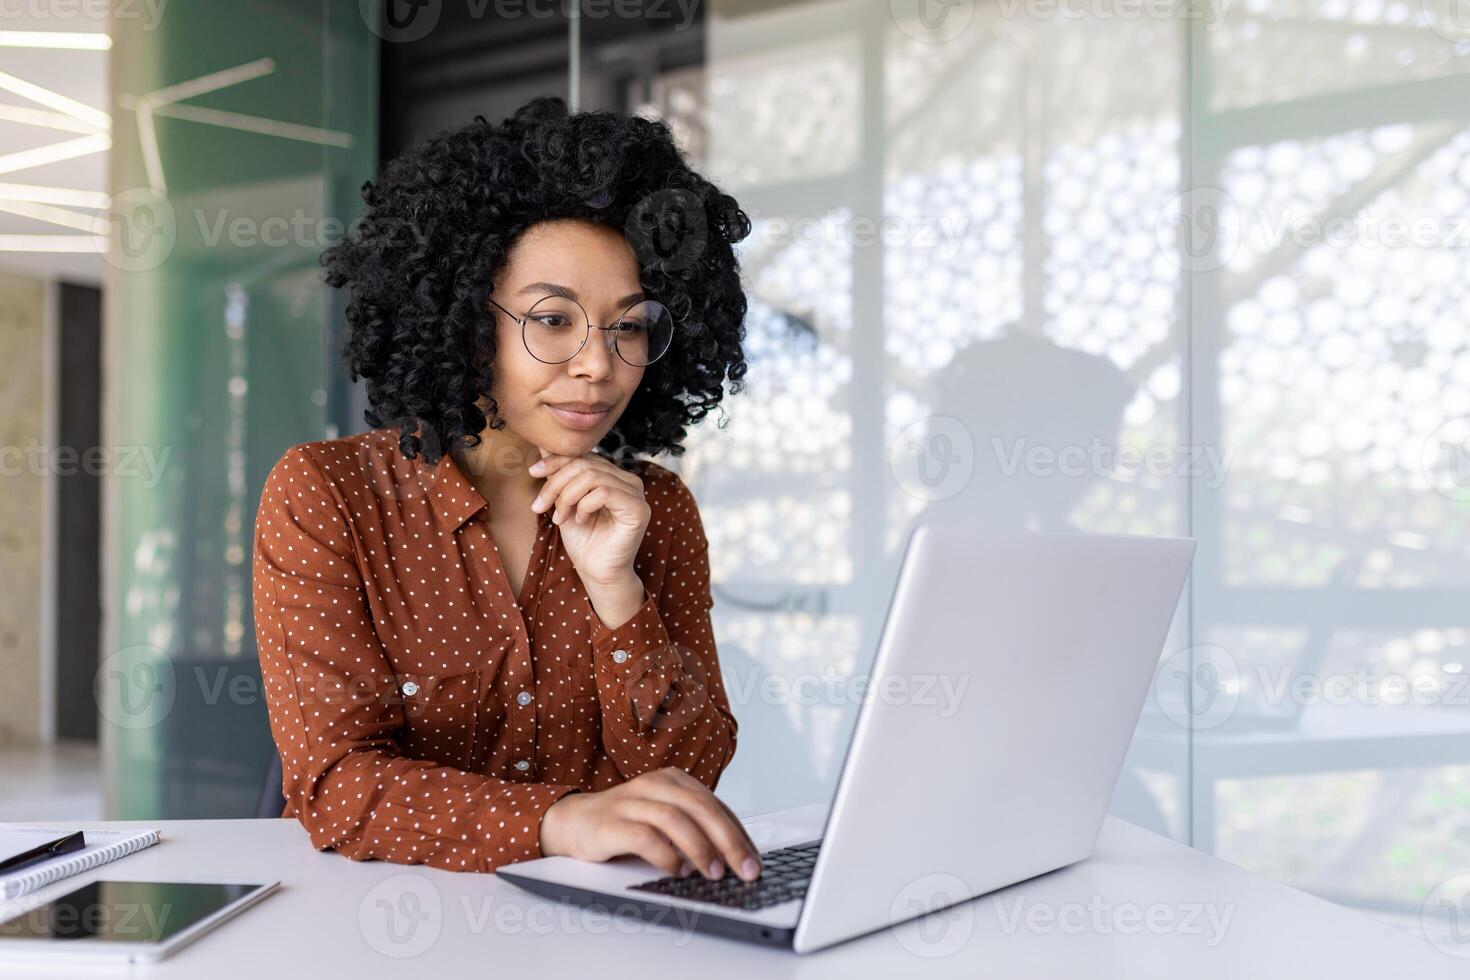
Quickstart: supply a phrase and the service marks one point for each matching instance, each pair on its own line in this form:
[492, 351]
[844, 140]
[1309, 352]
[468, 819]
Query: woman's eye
[632, 326]
[551, 320]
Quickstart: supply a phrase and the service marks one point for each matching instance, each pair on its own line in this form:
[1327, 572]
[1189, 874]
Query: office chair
[271, 802]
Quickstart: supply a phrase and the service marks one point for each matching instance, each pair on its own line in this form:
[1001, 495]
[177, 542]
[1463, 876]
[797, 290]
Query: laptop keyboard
[785, 872]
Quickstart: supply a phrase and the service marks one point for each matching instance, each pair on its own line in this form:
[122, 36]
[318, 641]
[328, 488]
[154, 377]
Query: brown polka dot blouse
[423, 714]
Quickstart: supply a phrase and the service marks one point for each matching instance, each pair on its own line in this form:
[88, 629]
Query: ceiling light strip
[62, 40]
[53, 243]
[52, 152]
[41, 194]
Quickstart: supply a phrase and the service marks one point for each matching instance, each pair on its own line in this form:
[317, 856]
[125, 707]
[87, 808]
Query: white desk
[1089, 921]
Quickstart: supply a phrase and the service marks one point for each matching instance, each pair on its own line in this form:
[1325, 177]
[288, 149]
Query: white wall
[26, 651]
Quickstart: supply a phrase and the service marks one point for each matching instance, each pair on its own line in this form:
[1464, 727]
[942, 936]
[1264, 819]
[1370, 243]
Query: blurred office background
[1159, 268]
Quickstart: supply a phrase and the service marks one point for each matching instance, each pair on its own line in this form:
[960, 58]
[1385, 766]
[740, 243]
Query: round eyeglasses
[556, 329]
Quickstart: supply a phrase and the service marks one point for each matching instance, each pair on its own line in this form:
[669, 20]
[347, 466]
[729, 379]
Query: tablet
[128, 921]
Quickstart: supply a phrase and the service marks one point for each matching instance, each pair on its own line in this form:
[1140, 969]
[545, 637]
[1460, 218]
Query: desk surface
[1142, 907]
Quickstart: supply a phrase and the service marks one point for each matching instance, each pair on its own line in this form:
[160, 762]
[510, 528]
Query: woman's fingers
[717, 823]
[679, 828]
[592, 501]
[571, 500]
[618, 502]
[569, 467]
[561, 500]
[646, 841]
[738, 825]
[666, 817]
[683, 777]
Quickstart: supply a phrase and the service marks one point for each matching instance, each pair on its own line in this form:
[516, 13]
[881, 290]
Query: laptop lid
[1009, 678]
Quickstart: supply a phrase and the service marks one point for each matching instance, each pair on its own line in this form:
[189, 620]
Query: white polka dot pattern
[423, 713]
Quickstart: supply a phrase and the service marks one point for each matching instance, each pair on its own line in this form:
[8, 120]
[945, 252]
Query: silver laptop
[1051, 641]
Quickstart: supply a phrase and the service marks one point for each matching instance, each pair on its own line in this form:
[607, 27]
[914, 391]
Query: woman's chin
[569, 442]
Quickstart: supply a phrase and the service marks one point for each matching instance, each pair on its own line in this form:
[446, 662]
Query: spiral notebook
[102, 846]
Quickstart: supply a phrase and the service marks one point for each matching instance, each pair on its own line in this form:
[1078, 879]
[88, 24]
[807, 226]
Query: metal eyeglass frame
[590, 327]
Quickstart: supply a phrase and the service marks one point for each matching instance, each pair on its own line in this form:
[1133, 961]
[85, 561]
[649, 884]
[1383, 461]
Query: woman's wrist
[553, 826]
[615, 602]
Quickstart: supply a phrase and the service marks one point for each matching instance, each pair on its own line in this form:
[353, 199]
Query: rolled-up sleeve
[335, 710]
[658, 674]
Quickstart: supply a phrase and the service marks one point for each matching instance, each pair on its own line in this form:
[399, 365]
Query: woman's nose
[597, 354]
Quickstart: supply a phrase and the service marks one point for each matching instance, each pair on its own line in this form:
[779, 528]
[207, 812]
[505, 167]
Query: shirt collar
[454, 498]
[451, 494]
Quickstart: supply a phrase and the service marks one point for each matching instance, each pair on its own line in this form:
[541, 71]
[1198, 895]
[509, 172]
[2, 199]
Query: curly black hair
[419, 266]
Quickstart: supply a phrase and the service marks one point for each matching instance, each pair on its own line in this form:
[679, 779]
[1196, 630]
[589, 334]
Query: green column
[242, 132]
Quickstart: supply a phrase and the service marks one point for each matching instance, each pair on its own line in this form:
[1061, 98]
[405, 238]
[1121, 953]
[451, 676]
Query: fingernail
[749, 868]
[537, 466]
[716, 869]
[685, 868]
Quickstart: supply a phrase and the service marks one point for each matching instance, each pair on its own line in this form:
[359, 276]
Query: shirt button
[410, 688]
[619, 656]
[523, 765]
[523, 698]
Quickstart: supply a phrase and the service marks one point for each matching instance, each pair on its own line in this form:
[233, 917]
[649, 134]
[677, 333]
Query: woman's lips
[578, 420]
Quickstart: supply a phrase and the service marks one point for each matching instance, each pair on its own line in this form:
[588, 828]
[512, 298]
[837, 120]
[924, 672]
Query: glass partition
[242, 133]
[1330, 154]
[1134, 268]
[960, 308]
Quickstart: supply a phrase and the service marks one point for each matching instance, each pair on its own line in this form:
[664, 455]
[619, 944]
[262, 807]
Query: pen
[62, 845]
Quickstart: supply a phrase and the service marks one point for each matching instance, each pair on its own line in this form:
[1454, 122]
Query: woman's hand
[601, 512]
[665, 817]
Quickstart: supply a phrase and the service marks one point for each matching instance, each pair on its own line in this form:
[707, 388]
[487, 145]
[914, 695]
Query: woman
[484, 629]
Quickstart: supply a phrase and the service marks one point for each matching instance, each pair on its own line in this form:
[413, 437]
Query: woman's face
[596, 266]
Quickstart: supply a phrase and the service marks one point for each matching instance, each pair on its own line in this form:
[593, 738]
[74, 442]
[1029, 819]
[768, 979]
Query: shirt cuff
[621, 653]
[521, 812]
